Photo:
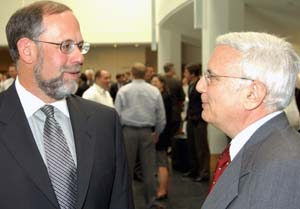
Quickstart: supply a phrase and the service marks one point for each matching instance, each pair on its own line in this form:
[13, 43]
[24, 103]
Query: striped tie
[60, 165]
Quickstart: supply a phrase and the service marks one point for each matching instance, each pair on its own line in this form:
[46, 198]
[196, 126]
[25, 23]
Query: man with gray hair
[142, 113]
[249, 80]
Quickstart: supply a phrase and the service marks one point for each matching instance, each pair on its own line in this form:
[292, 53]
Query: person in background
[196, 129]
[99, 91]
[120, 77]
[90, 75]
[57, 150]
[250, 79]
[185, 87]
[177, 94]
[292, 114]
[142, 113]
[149, 73]
[11, 76]
[2, 79]
[175, 87]
[82, 84]
[127, 77]
[164, 139]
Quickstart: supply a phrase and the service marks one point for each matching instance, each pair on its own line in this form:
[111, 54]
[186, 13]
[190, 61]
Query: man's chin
[204, 116]
[70, 87]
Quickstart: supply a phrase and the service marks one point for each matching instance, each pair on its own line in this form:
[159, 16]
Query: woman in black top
[164, 139]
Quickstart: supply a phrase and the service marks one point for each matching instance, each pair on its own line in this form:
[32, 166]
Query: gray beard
[55, 88]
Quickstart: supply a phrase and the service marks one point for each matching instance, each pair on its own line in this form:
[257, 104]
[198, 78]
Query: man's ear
[255, 95]
[26, 50]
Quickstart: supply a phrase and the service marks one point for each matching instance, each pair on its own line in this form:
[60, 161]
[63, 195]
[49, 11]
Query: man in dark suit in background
[250, 79]
[177, 96]
[196, 128]
[39, 115]
[82, 84]
[120, 77]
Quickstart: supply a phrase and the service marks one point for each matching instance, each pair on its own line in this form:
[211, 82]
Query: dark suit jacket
[265, 174]
[103, 181]
[194, 109]
[81, 89]
[165, 137]
[114, 90]
[178, 97]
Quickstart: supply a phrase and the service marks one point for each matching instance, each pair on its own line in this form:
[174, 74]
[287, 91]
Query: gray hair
[268, 59]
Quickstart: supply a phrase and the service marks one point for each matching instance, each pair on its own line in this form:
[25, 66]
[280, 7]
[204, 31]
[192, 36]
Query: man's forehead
[224, 55]
[61, 24]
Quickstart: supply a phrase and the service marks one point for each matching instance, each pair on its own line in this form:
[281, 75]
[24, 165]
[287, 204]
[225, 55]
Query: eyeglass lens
[67, 46]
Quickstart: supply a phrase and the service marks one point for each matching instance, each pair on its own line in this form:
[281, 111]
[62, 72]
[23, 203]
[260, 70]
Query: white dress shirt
[241, 139]
[98, 94]
[36, 118]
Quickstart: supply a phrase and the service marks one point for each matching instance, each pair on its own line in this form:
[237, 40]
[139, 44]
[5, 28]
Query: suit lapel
[229, 182]
[226, 190]
[84, 141]
[16, 135]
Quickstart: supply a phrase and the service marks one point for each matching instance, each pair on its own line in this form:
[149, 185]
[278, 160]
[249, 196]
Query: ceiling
[285, 7]
[285, 13]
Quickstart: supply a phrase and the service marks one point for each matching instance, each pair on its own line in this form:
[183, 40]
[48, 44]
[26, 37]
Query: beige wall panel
[115, 60]
[191, 54]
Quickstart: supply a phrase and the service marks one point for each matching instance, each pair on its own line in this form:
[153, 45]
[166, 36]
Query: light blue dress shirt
[140, 104]
[36, 119]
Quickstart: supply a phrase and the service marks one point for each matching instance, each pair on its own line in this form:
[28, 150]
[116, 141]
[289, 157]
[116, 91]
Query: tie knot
[48, 110]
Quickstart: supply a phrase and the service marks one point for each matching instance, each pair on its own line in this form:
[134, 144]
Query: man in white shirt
[250, 79]
[99, 91]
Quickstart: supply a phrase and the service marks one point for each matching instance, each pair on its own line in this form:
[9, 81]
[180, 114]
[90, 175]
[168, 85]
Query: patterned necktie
[222, 164]
[60, 165]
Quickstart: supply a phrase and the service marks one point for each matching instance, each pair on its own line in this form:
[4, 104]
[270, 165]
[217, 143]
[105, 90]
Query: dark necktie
[60, 165]
[222, 164]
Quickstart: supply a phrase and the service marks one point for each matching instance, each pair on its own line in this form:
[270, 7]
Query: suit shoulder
[280, 146]
[90, 106]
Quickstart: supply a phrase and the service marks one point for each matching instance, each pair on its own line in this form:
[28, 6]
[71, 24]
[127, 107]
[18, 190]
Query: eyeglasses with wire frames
[208, 76]
[68, 46]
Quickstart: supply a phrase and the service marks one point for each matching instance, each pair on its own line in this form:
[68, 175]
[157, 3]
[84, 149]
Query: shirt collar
[241, 139]
[32, 103]
[138, 81]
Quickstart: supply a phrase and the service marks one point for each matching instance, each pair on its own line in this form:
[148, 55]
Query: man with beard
[57, 150]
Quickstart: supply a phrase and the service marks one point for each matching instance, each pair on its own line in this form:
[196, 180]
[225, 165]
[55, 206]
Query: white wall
[175, 19]
[102, 21]
[6, 10]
